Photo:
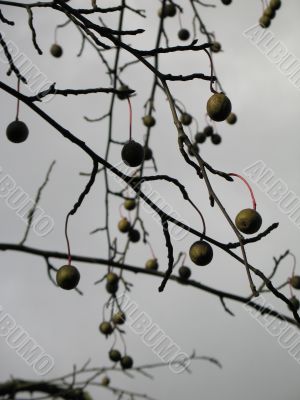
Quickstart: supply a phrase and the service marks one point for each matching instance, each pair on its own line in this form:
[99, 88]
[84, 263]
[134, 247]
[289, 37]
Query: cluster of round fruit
[107, 328]
[124, 225]
[247, 221]
[269, 13]
[295, 283]
[208, 131]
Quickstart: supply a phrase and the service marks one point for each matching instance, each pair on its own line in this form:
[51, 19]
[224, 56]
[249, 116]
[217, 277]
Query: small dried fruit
[216, 47]
[134, 235]
[295, 302]
[218, 107]
[186, 119]
[67, 277]
[113, 278]
[119, 318]
[126, 362]
[106, 328]
[216, 138]
[149, 121]
[152, 264]
[248, 221]
[200, 137]
[105, 381]
[132, 153]
[295, 282]
[184, 273]
[184, 34]
[129, 204]
[114, 355]
[124, 225]
[264, 21]
[17, 132]
[123, 90]
[275, 4]
[231, 119]
[111, 288]
[201, 253]
[56, 50]
[208, 130]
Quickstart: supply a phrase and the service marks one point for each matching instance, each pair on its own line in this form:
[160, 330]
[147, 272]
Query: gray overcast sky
[65, 324]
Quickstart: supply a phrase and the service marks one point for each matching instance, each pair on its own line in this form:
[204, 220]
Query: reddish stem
[183, 260]
[120, 211]
[248, 186]
[130, 118]
[152, 252]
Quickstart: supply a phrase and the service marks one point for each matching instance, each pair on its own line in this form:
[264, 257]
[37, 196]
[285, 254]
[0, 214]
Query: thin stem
[130, 119]
[18, 100]
[248, 186]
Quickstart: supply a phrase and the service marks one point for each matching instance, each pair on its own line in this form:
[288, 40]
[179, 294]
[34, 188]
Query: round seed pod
[170, 10]
[231, 119]
[216, 138]
[226, 2]
[132, 153]
[200, 137]
[270, 12]
[184, 273]
[148, 153]
[130, 204]
[208, 130]
[295, 282]
[17, 132]
[67, 277]
[112, 278]
[264, 21]
[105, 381]
[201, 253]
[193, 148]
[152, 264]
[218, 107]
[216, 47]
[295, 302]
[106, 328]
[275, 4]
[111, 288]
[186, 119]
[56, 50]
[122, 95]
[248, 221]
[114, 355]
[149, 121]
[124, 225]
[126, 362]
[134, 235]
[119, 318]
[184, 34]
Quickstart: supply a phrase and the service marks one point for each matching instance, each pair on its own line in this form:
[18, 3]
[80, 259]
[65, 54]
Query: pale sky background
[66, 324]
